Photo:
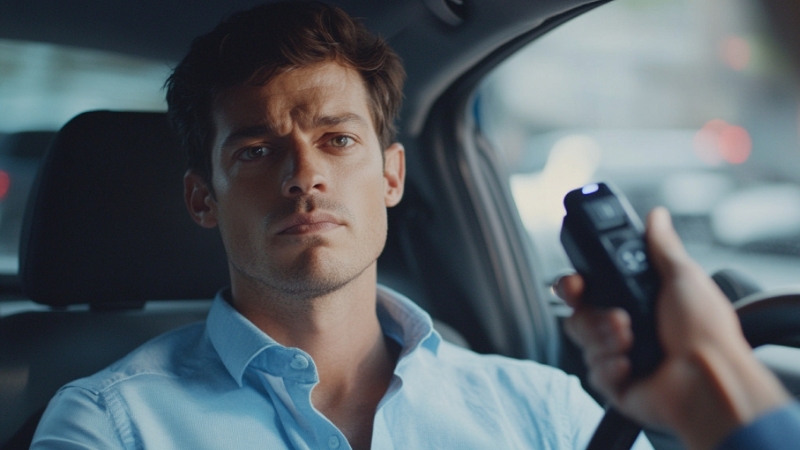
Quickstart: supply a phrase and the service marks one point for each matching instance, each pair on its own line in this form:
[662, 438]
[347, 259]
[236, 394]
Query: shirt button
[333, 442]
[299, 362]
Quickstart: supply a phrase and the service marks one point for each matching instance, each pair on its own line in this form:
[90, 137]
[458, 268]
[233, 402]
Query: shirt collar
[239, 342]
[405, 322]
[236, 340]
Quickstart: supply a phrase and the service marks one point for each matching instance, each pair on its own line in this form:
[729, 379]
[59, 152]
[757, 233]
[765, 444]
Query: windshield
[689, 104]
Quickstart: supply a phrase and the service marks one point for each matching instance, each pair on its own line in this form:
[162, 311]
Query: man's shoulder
[532, 401]
[170, 355]
[515, 374]
[459, 356]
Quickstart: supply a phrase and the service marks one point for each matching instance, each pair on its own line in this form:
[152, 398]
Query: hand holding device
[604, 239]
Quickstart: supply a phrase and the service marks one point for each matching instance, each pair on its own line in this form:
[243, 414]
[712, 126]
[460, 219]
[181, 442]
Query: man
[710, 388]
[287, 113]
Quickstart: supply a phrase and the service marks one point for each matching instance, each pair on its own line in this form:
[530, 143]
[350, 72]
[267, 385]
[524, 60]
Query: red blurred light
[720, 141]
[736, 52]
[706, 147]
[5, 183]
[706, 142]
[735, 144]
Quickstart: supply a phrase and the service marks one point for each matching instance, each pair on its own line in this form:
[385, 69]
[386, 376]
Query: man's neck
[341, 332]
[336, 325]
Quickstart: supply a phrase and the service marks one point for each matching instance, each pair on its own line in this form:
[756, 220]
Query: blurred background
[689, 104]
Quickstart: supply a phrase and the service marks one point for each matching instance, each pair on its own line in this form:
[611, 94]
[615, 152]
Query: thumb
[664, 244]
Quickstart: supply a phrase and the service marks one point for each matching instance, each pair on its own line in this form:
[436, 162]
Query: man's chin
[319, 277]
[313, 275]
[310, 288]
[310, 273]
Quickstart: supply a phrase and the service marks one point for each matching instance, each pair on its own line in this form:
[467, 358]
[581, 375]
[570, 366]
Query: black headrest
[106, 223]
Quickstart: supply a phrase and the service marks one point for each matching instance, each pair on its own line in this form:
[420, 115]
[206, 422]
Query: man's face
[300, 183]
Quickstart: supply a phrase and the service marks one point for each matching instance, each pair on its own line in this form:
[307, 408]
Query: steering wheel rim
[770, 317]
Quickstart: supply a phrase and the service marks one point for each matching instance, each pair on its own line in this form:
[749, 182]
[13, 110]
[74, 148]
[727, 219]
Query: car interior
[109, 257]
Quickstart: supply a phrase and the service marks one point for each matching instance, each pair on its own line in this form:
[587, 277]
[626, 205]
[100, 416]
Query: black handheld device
[604, 239]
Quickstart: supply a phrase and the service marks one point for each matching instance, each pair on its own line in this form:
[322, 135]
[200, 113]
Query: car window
[41, 87]
[688, 104]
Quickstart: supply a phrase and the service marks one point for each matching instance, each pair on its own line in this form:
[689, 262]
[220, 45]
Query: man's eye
[341, 141]
[252, 153]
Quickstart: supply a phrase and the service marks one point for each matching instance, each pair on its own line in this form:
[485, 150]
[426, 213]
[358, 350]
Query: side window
[689, 104]
[43, 86]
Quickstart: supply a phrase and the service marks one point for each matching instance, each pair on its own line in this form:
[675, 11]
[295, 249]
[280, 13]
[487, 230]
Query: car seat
[104, 232]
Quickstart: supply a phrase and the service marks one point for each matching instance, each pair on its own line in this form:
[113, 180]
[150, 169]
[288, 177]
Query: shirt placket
[289, 377]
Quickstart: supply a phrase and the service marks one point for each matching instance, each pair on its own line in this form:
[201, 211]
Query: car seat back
[105, 231]
[107, 225]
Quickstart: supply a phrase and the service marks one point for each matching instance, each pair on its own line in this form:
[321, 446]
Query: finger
[610, 376]
[581, 327]
[677, 269]
[615, 339]
[665, 246]
[600, 331]
[570, 289]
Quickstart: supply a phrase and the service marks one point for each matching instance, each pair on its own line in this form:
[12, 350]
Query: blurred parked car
[20, 154]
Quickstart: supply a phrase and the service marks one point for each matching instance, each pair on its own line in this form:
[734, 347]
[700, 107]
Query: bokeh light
[735, 52]
[719, 141]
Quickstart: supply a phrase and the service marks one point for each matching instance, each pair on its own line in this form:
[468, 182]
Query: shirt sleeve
[779, 429]
[76, 419]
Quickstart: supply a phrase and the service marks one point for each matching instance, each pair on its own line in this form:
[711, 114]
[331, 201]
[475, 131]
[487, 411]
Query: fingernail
[557, 289]
[556, 285]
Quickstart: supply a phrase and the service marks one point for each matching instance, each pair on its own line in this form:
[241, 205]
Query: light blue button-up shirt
[226, 384]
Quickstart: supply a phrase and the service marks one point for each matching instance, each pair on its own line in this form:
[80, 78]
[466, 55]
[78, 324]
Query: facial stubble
[311, 273]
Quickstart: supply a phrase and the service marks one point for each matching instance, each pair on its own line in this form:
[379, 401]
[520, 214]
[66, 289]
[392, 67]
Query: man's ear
[394, 172]
[201, 203]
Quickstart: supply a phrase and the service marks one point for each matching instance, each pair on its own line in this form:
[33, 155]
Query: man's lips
[308, 223]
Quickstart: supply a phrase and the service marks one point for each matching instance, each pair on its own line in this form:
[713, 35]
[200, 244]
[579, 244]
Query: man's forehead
[302, 94]
[323, 75]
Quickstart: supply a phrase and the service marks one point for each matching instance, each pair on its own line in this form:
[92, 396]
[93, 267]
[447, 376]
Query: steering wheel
[766, 318]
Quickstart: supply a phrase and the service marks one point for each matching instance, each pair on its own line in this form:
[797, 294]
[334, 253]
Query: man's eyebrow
[261, 130]
[253, 131]
[329, 121]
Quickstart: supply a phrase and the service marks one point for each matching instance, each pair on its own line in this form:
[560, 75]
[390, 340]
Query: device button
[631, 257]
[606, 213]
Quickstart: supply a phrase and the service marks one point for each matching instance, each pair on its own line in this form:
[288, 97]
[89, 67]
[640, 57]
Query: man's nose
[304, 172]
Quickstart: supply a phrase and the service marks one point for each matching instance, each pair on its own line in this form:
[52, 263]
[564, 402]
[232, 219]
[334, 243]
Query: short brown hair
[251, 47]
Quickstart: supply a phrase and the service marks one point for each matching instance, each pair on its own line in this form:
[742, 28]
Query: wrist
[730, 388]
